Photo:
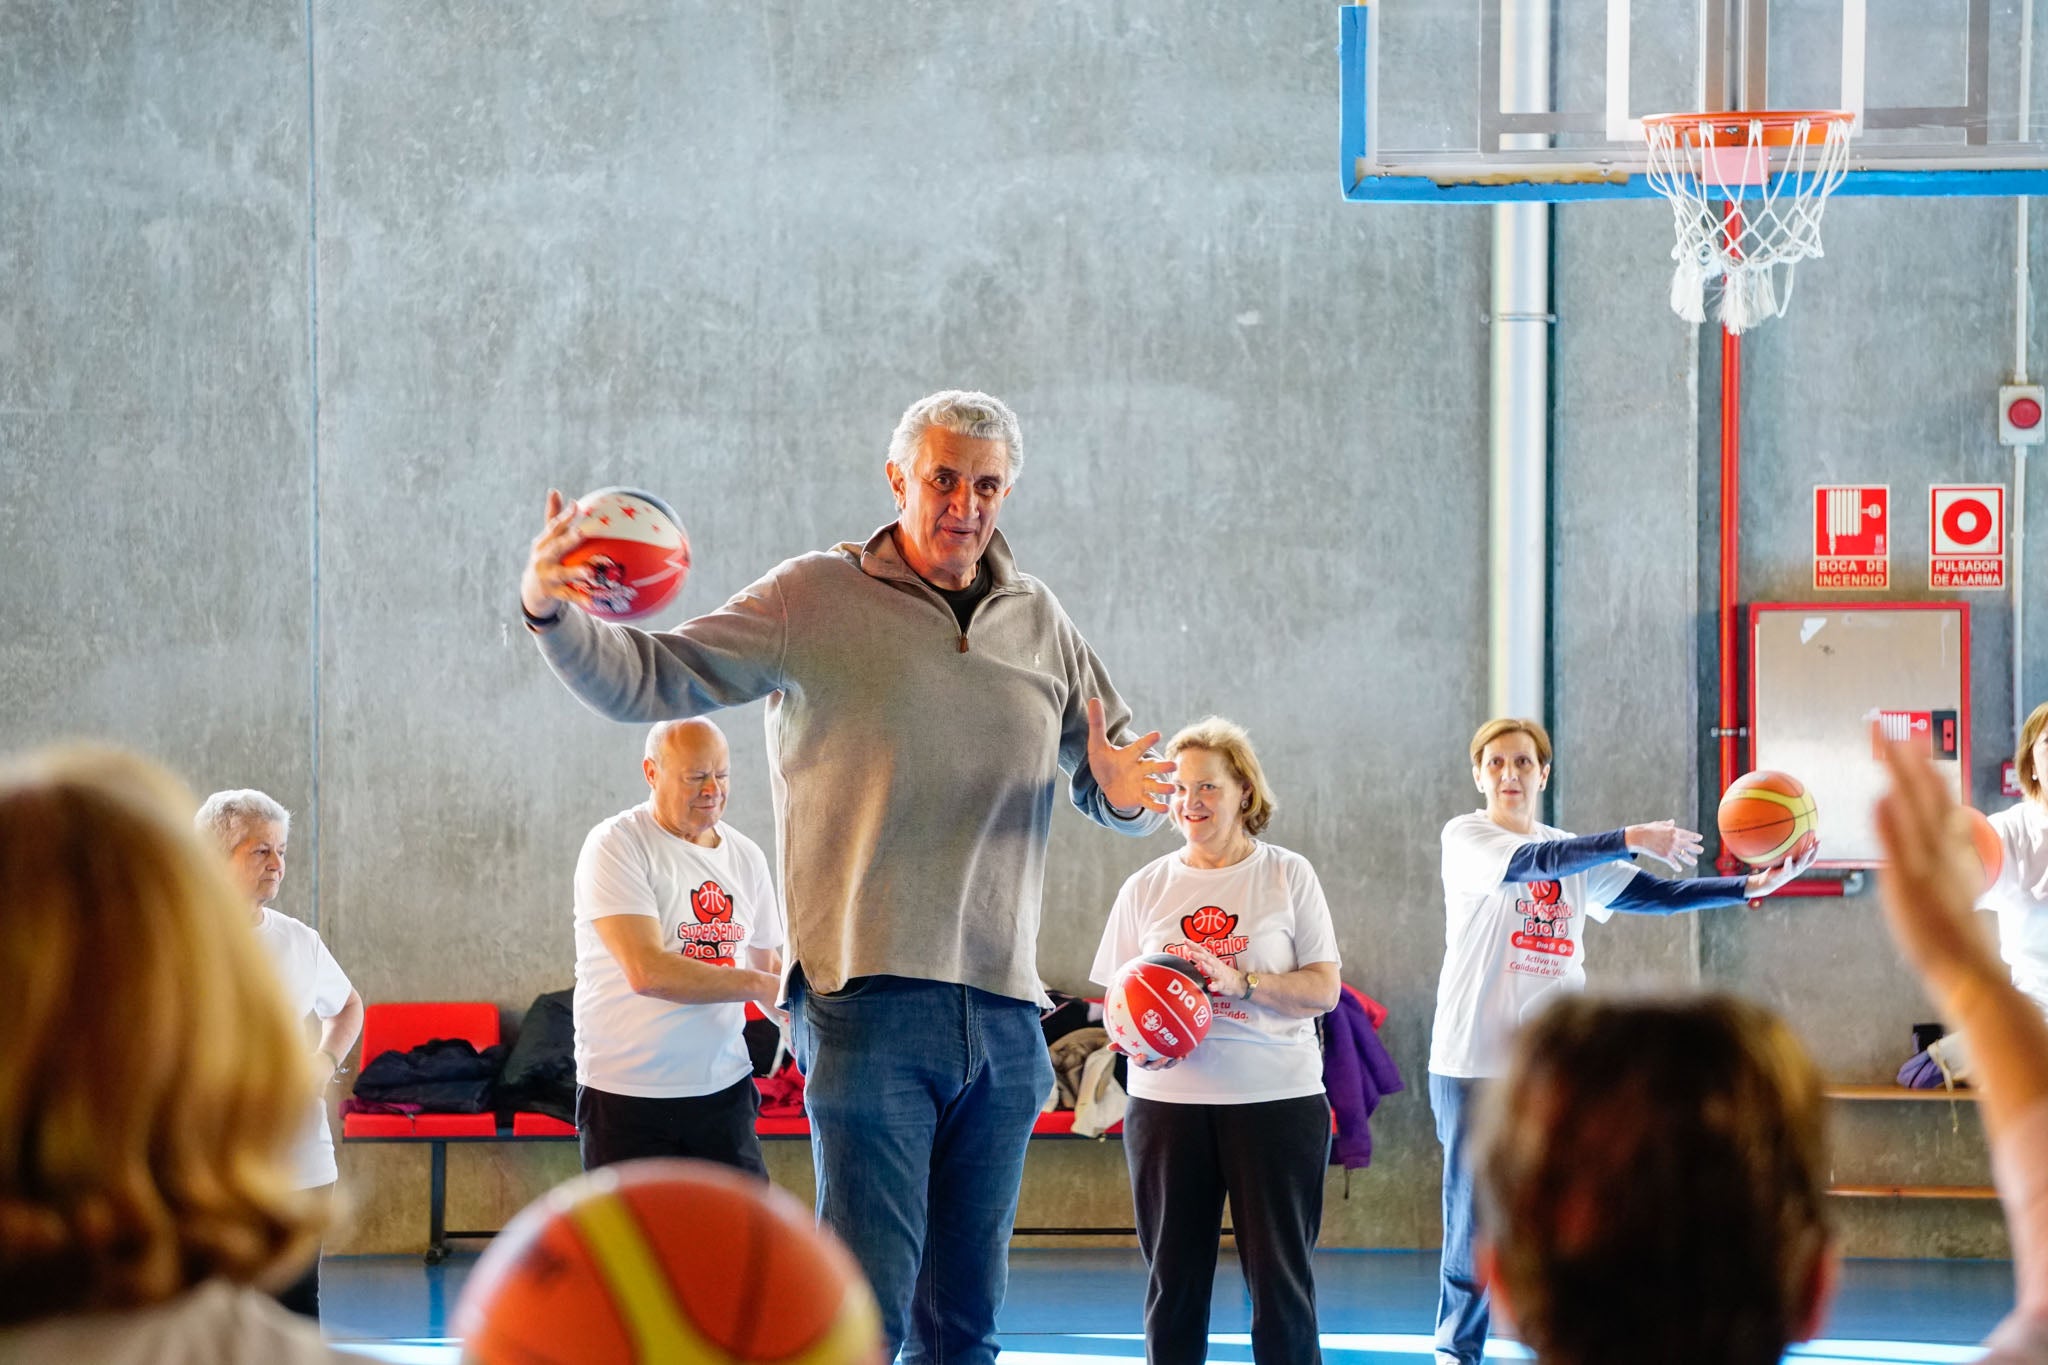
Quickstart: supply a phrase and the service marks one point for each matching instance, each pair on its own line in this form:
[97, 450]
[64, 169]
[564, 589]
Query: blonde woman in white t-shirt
[2020, 895]
[151, 1084]
[1243, 1116]
[1516, 897]
[1676, 1148]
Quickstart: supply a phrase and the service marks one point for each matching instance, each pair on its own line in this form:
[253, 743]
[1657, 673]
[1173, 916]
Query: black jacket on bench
[445, 1076]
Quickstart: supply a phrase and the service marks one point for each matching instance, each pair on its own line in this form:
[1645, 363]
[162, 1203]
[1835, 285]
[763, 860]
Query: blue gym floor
[1074, 1307]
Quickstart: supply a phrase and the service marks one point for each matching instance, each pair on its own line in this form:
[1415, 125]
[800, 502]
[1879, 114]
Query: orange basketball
[1990, 848]
[667, 1260]
[1764, 815]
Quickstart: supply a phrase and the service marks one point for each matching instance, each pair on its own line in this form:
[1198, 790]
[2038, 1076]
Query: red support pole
[1731, 518]
[1726, 863]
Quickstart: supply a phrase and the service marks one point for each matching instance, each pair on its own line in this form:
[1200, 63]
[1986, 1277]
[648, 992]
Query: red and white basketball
[1990, 848]
[634, 545]
[1157, 1009]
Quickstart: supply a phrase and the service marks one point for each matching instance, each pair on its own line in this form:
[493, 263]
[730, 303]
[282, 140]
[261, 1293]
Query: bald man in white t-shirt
[677, 928]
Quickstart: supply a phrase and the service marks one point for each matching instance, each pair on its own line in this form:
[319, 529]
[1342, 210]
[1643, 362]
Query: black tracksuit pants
[1268, 1160]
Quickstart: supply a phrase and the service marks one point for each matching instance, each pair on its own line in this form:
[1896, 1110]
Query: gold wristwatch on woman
[1251, 983]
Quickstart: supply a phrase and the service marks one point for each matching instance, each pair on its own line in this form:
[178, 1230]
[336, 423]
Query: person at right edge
[1929, 881]
[2020, 894]
[1516, 894]
[924, 695]
[1677, 1146]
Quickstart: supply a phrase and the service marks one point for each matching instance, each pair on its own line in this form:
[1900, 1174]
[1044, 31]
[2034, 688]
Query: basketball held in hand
[1157, 1010]
[1764, 816]
[1990, 848]
[635, 550]
[667, 1260]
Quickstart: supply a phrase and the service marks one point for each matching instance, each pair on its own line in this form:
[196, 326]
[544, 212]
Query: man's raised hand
[1130, 779]
[547, 580]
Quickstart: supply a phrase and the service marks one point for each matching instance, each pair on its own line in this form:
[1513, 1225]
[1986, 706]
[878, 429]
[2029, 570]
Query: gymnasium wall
[301, 323]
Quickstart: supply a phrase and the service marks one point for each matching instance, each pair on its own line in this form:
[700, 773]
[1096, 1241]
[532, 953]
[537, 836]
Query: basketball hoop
[1773, 213]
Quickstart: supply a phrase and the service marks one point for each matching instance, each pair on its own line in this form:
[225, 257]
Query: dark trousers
[715, 1127]
[1268, 1159]
[302, 1296]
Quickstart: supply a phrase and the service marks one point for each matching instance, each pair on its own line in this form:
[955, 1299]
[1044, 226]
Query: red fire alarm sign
[1965, 536]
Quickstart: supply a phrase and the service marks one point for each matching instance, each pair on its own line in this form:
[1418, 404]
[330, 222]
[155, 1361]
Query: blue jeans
[921, 1097]
[1461, 1307]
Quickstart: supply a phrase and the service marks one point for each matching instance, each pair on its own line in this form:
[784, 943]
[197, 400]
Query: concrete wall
[715, 248]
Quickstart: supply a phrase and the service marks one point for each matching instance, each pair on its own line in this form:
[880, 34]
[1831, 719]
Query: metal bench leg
[437, 1205]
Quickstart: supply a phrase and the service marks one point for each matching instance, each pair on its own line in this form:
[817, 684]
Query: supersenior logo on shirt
[1545, 929]
[711, 938]
[1214, 928]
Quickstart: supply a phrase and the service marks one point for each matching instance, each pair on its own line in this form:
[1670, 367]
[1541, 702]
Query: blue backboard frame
[1364, 181]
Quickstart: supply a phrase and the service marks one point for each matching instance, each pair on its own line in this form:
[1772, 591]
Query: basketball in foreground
[634, 547]
[667, 1260]
[1157, 1009]
[1764, 815]
[1990, 848]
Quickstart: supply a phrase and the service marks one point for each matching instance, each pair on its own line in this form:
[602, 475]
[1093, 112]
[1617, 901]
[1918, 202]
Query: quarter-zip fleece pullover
[913, 761]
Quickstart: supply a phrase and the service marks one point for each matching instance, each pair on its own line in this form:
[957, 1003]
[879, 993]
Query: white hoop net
[1697, 164]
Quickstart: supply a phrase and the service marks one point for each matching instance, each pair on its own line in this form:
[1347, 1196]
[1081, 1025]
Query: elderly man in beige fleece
[923, 696]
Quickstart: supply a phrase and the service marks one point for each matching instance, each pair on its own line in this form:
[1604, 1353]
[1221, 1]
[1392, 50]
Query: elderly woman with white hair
[251, 829]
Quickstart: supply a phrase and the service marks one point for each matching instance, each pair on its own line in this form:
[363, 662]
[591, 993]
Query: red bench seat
[401, 1027]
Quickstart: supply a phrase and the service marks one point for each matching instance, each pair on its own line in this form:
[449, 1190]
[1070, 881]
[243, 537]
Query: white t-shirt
[1507, 945]
[2020, 896]
[1264, 914]
[313, 984]
[710, 902]
[216, 1324]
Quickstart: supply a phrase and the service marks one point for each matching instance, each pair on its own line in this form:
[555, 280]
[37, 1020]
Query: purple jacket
[1357, 1073]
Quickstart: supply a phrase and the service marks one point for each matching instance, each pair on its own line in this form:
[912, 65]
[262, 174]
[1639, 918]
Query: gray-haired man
[923, 697]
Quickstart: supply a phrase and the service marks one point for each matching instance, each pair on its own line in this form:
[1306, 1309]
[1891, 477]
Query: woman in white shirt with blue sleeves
[1516, 896]
[1243, 1117]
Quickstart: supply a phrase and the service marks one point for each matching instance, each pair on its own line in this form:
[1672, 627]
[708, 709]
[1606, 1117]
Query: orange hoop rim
[1772, 127]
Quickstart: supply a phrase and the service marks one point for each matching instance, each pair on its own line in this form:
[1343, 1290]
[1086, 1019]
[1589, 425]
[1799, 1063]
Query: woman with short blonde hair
[2020, 895]
[1244, 1117]
[1517, 896]
[150, 1083]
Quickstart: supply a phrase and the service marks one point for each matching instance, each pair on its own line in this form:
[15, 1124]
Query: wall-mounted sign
[1852, 536]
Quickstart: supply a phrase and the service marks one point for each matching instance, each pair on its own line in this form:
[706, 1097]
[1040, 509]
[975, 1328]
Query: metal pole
[1519, 494]
[2021, 288]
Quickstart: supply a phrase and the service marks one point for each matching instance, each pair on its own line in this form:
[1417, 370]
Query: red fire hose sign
[1852, 534]
[1965, 536]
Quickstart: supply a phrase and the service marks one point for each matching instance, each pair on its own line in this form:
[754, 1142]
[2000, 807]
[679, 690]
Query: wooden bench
[1901, 1094]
